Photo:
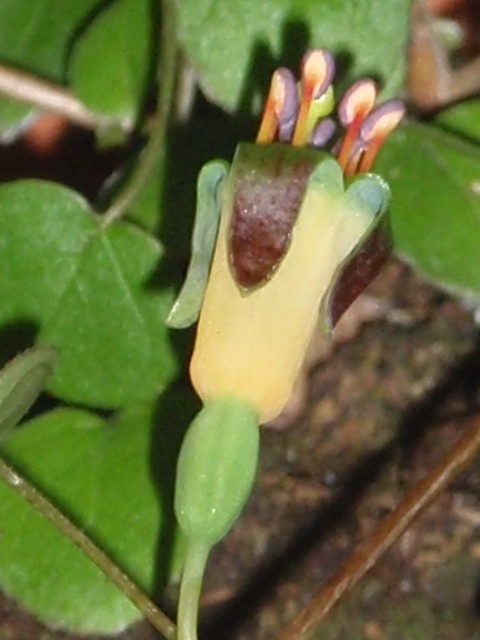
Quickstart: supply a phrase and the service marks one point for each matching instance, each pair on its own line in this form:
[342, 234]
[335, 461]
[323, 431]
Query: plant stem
[156, 144]
[388, 532]
[191, 586]
[24, 87]
[29, 493]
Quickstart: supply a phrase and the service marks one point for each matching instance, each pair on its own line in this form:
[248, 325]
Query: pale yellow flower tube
[252, 344]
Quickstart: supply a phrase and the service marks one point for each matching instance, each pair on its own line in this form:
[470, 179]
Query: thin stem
[191, 586]
[29, 493]
[156, 144]
[24, 87]
[388, 532]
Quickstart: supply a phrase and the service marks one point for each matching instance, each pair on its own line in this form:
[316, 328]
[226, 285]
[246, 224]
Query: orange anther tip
[382, 120]
[358, 100]
[318, 68]
[277, 90]
[280, 106]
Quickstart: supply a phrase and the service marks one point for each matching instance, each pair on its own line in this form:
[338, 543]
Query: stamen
[356, 154]
[322, 133]
[355, 105]
[281, 105]
[320, 108]
[285, 129]
[318, 68]
[376, 127]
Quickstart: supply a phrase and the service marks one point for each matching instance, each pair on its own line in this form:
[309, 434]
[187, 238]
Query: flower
[293, 243]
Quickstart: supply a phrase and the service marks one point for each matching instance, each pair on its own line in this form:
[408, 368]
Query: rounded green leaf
[109, 325]
[21, 381]
[435, 206]
[86, 291]
[112, 59]
[234, 47]
[104, 476]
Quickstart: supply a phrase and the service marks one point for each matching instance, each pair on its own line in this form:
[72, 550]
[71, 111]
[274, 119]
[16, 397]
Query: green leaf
[435, 206]
[90, 291]
[35, 36]
[105, 477]
[462, 119]
[21, 381]
[231, 45]
[111, 61]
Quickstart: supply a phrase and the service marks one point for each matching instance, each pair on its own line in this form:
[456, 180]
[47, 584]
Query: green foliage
[88, 291]
[116, 87]
[462, 119]
[21, 382]
[102, 475]
[35, 37]
[435, 207]
[235, 47]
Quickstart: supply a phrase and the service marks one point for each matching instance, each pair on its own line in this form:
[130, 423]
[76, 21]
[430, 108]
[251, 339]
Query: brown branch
[45, 96]
[388, 532]
[48, 510]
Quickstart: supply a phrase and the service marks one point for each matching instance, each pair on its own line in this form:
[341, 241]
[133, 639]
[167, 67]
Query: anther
[318, 68]
[376, 127]
[281, 105]
[355, 105]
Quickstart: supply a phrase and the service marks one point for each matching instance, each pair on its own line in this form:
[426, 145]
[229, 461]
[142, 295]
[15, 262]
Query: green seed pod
[216, 469]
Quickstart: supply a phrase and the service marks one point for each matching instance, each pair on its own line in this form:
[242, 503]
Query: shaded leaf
[230, 45]
[435, 207]
[101, 475]
[35, 37]
[462, 119]
[21, 381]
[90, 292]
[111, 60]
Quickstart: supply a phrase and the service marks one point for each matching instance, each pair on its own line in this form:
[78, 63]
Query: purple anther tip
[322, 133]
[330, 64]
[318, 65]
[362, 92]
[286, 129]
[382, 120]
[290, 102]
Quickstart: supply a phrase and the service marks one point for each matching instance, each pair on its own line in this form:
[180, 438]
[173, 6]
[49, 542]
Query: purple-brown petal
[359, 271]
[269, 184]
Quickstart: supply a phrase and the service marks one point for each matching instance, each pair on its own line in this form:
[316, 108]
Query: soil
[381, 409]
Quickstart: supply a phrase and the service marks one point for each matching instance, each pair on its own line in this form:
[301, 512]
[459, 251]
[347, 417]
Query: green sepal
[216, 469]
[21, 382]
[327, 174]
[370, 193]
[187, 306]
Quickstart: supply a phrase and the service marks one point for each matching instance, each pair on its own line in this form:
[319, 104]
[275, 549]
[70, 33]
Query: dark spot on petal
[269, 185]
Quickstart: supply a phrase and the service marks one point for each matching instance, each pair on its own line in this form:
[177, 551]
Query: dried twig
[388, 532]
[45, 96]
